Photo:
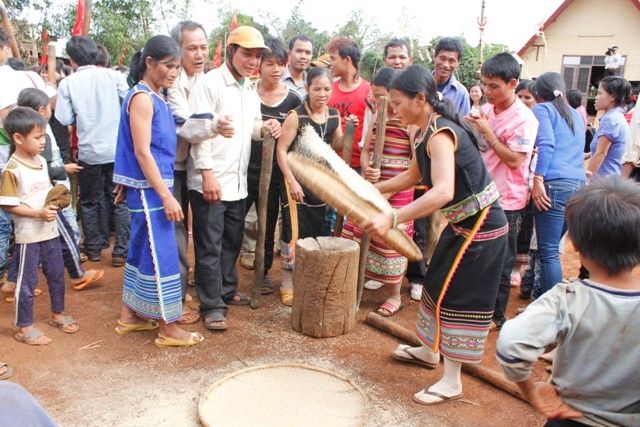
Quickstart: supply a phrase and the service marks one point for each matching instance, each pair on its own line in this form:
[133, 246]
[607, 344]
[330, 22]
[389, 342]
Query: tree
[222, 32]
[366, 34]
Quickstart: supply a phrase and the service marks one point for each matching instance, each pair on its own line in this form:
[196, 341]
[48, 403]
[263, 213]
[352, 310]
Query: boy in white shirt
[23, 193]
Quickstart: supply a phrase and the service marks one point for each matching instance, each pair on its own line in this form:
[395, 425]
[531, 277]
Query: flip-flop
[164, 341]
[243, 299]
[7, 373]
[403, 354]
[127, 328]
[188, 317]
[65, 324]
[92, 276]
[373, 285]
[31, 337]
[389, 307]
[217, 317]
[442, 397]
[286, 296]
[267, 286]
[11, 299]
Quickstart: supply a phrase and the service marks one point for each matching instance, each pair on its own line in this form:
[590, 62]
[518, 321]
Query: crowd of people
[165, 149]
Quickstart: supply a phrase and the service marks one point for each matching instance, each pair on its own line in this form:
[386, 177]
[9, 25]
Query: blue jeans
[5, 235]
[96, 184]
[531, 277]
[550, 227]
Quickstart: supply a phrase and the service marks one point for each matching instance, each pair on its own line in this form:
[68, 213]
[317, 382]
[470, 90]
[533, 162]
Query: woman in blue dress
[145, 155]
[608, 144]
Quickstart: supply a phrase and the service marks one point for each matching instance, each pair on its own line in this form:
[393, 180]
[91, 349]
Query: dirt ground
[98, 378]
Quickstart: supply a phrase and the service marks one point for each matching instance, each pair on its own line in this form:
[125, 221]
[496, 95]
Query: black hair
[618, 87]
[32, 98]
[22, 121]
[299, 37]
[483, 97]
[278, 50]
[59, 67]
[346, 48]
[523, 84]
[574, 98]
[157, 48]
[384, 77]
[549, 87]
[182, 26]
[314, 73]
[103, 59]
[5, 39]
[417, 79]
[603, 218]
[396, 42]
[82, 50]
[503, 66]
[450, 44]
[16, 64]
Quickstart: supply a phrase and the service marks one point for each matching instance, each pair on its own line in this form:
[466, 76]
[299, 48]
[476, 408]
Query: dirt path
[98, 378]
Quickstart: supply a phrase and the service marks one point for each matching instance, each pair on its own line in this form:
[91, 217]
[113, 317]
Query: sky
[509, 22]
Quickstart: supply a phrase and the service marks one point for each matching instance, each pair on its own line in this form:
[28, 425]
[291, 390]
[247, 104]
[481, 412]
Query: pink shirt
[517, 128]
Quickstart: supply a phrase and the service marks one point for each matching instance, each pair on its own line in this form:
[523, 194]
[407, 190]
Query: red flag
[234, 22]
[77, 27]
[44, 39]
[217, 59]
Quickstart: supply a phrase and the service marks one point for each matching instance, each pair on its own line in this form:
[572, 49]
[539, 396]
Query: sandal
[33, 337]
[89, 277]
[286, 296]
[164, 341]
[388, 308]
[66, 324]
[188, 317]
[403, 354]
[239, 299]
[11, 299]
[216, 322]
[267, 286]
[6, 374]
[127, 328]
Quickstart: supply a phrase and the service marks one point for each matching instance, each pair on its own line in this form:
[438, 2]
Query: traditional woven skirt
[461, 286]
[384, 264]
[151, 273]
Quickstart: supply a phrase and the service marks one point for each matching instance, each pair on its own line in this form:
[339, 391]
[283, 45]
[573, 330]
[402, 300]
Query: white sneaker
[416, 291]
[373, 285]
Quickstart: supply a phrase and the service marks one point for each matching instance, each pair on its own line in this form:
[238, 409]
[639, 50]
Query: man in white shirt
[612, 62]
[217, 173]
[90, 99]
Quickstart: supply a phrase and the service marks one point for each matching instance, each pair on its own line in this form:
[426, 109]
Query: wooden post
[266, 167]
[365, 239]
[51, 63]
[494, 378]
[86, 23]
[324, 285]
[347, 154]
[7, 27]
